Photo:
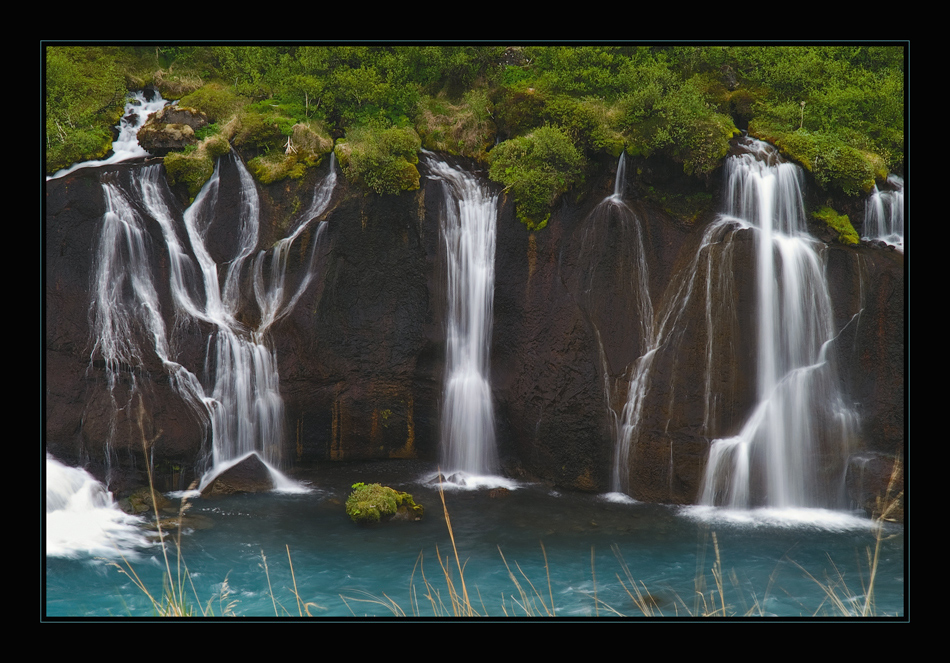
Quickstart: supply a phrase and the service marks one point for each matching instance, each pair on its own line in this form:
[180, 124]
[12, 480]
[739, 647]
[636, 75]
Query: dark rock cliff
[361, 356]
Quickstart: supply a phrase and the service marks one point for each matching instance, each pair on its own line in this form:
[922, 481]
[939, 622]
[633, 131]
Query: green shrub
[381, 159]
[85, 97]
[463, 129]
[214, 100]
[834, 164]
[537, 168]
[307, 147]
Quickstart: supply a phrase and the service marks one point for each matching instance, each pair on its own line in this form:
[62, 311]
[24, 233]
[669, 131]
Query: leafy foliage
[537, 168]
[838, 110]
[382, 159]
[85, 92]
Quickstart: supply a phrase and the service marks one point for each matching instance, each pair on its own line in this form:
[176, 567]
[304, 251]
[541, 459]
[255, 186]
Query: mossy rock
[839, 223]
[192, 170]
[372, 503]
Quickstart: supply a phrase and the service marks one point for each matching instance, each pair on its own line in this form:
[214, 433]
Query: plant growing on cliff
[85, 93]
[381, 158]
[838, 223]
[537, 168]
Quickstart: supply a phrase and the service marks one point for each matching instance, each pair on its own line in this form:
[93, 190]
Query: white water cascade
[240, 399]
[468, 230]
[83, 519]
[126, 145]
[884, 214]
[792, 449]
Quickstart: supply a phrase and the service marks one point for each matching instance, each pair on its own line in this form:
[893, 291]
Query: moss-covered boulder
[171, 129]
[191, 170]
[304, 149]
[372, 503]
[839, 224]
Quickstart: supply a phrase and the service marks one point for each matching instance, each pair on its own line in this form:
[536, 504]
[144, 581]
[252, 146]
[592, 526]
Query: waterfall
[239, 398]
[612, 258]
[83, 519]
[126, 145]
[792, 449]
[468, 231]
[884, 214]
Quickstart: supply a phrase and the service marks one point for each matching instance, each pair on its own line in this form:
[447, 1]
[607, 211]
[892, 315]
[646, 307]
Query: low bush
[381, 159]
[537, 168]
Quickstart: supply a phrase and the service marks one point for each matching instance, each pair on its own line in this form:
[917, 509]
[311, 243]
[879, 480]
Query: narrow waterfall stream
[468, 450]
[613, 255]
[884, 214]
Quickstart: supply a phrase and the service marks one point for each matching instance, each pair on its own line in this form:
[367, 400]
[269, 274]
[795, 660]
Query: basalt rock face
[361, 355]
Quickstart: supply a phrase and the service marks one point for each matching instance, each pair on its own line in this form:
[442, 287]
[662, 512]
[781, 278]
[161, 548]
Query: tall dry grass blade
[294, 579]
[536, 592]
[717, 574]
[891, 503]
[524, 597]
[594, 574]
[547, 572]
[269, 588]
[639, 600]
[448, 524]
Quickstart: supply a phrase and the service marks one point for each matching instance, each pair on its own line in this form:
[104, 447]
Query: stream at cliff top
[339, 566]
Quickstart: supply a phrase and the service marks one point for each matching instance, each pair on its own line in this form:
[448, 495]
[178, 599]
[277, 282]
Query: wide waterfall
[792, 449]
[468, 231]
[239, 394]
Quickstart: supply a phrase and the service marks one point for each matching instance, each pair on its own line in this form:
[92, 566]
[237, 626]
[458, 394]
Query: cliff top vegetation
[837, 110]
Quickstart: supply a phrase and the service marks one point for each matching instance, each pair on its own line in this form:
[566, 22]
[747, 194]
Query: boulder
[171, 129]
[248, 476]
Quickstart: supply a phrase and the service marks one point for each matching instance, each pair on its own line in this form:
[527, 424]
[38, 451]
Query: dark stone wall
[361, 357]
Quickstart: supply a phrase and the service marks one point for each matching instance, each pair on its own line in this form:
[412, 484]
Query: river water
[594, 547]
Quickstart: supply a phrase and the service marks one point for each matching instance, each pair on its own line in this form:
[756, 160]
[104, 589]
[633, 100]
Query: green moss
[835, 165]
[840, 223]
[214, 100]
[369, 503]
[192, 170]
[217, 146]
[687, 207]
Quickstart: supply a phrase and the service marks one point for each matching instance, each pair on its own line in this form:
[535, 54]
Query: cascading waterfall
[244, 408]
[126, 145]
[83, 518]
[468, 230]
[884, 214]
[791, 450]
